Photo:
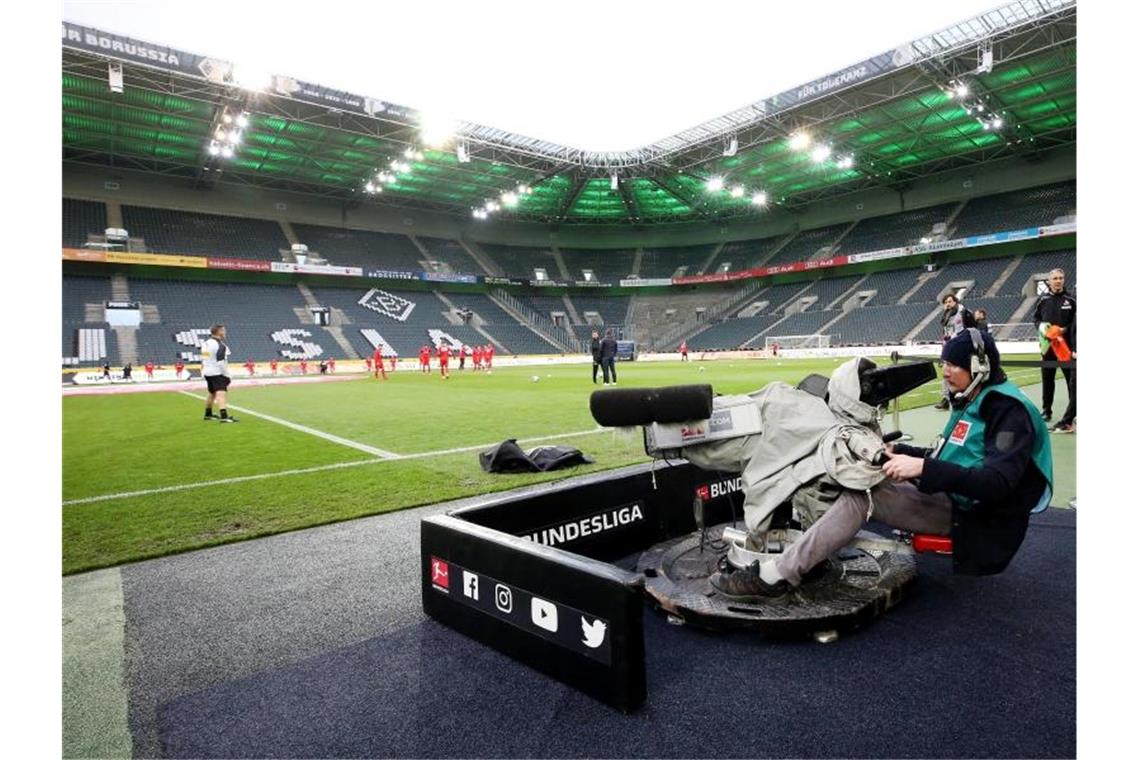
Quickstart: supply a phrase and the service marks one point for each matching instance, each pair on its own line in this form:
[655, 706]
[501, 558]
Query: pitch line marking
[308, 470]
[381, 453]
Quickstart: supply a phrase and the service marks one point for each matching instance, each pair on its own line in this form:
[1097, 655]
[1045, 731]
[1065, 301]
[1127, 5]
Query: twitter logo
[593, 634]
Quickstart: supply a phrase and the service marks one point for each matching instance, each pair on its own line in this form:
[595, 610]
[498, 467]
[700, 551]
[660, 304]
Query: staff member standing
[216, 370]
[596, 352]
[955, 319]
[1058, 308]
[609, 351]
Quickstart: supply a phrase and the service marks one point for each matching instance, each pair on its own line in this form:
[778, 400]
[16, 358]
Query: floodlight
[737, 192]
[523, 189]
[436, 131]
[419, 155]
[370, 187]
[408, 153]
[820, 153]
[714, 184]
[227, 118]
[214, 148]
[234, 136]
[799, 141]
[509, 199]
[845, 162]
[492, 206]
[998, 122]
[986, 125]
[760, 199]
[924, 240]
[961, 90]
[227, 151]
[243, 120]
[220, 133]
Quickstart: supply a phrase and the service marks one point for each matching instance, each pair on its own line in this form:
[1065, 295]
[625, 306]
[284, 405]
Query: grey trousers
[900, 505]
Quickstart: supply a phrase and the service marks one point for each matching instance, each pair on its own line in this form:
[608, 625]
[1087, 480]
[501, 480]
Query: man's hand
[900, 467]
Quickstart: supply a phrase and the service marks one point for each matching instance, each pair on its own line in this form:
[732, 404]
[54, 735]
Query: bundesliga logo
[710, 491]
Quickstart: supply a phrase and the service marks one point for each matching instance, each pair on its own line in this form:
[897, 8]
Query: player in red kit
[149, 370]
[332, 365]
[488, 355]
[249, 366]
[304, 366]
[378, 363]
[273, 366]
[368, 365]
[444, 357]
[392, 362]
[178, 367]
[425, 359]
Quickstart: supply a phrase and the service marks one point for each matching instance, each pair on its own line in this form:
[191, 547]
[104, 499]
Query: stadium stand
[1041, 263]
[608, 265]
[452, 254]
[81, 218]
[877, 325]
[776, 296]
[521, 262]
[984, 272]
[611, 309]
[544, 305]
[894, 230]
[744, 254]
[78, 293]
[664, 262]
[362, 248]
[805, 245]
[252, 315]
[890, 286]
[1017, 210]
[827, 289]
[188, 232]
[731, 333]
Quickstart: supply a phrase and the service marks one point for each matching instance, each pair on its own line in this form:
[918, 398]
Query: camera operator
[991, 468]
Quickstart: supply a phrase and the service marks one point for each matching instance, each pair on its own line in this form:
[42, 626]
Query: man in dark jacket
[955, 319]
[596, 352]
[609, 351]
[1058, 307]
[980, 320]
[991, 468]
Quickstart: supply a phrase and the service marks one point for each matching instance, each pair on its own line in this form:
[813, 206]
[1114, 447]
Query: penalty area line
[309, 470]
[381, 453]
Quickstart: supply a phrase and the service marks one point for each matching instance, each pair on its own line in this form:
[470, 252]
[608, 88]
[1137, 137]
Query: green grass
[144, 441]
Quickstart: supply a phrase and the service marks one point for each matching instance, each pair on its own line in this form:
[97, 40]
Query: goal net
[815, 340]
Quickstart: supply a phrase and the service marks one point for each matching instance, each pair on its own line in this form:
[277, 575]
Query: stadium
[269, 588]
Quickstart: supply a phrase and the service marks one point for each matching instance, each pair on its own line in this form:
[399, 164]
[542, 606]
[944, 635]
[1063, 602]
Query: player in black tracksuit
[596, 352]
[1058, 307]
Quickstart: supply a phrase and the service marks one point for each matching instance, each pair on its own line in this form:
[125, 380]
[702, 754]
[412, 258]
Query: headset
[979, 370]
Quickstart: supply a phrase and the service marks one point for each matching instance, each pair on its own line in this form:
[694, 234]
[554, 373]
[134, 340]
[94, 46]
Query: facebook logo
[471, 585]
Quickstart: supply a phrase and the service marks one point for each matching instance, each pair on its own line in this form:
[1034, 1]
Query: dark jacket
[1058, 309]
[609, 348]
[951, 325]
[596, 348]
[1006, 484]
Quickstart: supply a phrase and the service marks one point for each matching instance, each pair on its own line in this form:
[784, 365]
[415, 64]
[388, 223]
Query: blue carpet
[967, 667]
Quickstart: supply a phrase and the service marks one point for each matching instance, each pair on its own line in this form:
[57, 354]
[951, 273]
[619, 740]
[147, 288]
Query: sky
[612, 75]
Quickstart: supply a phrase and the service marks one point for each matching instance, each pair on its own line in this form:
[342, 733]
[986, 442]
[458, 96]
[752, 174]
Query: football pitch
[144, 476]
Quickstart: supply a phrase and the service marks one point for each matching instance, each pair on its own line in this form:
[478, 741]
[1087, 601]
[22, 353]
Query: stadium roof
[880, 122]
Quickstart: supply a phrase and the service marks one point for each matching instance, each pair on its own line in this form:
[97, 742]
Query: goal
[815, 340]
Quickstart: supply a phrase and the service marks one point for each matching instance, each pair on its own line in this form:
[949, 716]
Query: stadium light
[998, 122]
[409, 153]
[524, 190]
[214, 148]
[845, 162]
[961, 90]
[509, 199]
[243, 119]
[437, 131]
[799, 141]
[737, 191]
[820, 153]
[227, 151]
[714, 184]
[760, 199]
[227, 118]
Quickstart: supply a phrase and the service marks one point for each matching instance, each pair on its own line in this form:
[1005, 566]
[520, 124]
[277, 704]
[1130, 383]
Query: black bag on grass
[508, 457]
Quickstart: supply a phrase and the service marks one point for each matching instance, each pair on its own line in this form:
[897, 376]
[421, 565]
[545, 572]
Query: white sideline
[311, 431]
[307, 470]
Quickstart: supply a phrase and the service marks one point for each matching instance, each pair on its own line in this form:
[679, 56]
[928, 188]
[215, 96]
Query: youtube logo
[439, 574]
[544, 614]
